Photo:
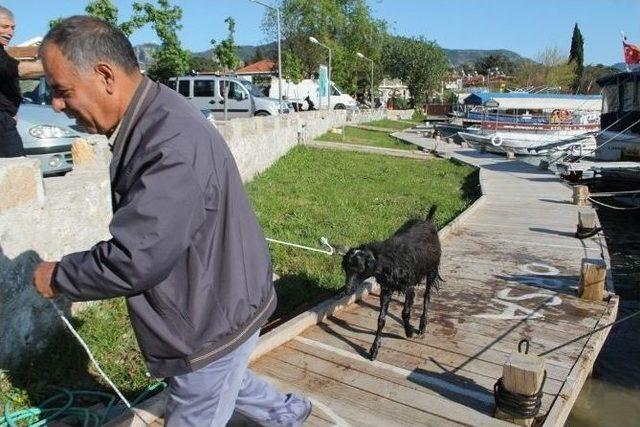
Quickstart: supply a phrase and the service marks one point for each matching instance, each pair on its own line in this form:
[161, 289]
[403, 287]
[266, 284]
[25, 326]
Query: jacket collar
[144, 94]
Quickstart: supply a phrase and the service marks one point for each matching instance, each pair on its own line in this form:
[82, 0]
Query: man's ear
[106, 75]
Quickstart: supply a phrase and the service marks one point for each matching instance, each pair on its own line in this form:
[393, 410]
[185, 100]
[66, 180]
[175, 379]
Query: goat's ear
[341, 249]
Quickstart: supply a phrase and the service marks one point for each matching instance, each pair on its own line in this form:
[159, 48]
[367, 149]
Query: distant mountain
[458, 57]
[144, 52]
[620, 66]
[247, 53]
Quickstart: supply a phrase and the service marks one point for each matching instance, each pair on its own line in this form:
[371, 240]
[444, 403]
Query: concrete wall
[46, 219]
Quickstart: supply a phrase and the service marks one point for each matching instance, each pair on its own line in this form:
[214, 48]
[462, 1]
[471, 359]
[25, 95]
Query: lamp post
[277, 9]
[364, 57]
[315, 41]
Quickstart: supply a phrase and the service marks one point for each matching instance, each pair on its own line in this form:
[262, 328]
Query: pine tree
[576, 55]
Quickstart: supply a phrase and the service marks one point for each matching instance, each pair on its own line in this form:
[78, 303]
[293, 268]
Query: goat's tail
[432, 212]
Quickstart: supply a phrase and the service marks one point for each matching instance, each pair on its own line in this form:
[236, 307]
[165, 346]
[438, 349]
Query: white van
[297, 93]
[206, 93]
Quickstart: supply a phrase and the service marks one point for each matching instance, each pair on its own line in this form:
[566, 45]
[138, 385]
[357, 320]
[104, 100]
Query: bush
[418, 115]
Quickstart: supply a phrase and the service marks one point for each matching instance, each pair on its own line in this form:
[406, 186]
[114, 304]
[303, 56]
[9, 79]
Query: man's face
[79, 94]
[7, 28]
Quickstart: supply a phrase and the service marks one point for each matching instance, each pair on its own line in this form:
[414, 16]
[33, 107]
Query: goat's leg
[425, 308]
[385, 298]
[406, 311]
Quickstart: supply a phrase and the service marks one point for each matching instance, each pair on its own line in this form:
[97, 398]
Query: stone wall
[46, 219]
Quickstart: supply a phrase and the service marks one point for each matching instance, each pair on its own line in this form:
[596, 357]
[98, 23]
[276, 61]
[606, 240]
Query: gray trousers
[208, 396]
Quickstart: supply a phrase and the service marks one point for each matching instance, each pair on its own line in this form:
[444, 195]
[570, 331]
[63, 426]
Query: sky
[526, 28]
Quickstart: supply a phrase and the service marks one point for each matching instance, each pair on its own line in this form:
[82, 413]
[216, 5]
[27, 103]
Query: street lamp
[315, 41]
[364, 57]
[277, 9]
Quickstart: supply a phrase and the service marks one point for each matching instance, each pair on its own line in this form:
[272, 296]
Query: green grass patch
[391, 124]
[367, 137]
[350, 198]
[106, 329]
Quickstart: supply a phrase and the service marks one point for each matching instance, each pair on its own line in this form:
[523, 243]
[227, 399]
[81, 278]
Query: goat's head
[358, 264]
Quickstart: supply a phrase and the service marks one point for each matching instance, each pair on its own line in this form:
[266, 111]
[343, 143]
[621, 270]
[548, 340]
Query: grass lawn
[392, 124]
[367, 137]
[348, 197]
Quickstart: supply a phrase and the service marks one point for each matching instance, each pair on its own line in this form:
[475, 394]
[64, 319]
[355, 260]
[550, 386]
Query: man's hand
[42, 279]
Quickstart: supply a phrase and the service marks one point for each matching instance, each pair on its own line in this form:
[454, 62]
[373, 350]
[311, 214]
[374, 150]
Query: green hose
[42, 414]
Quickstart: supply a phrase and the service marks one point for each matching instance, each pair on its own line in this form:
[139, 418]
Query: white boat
[578, 140]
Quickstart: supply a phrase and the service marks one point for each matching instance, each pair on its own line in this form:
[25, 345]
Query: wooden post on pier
[522, 374]
[586, 218]
[581, 195]
[592, 277]
[511, 155]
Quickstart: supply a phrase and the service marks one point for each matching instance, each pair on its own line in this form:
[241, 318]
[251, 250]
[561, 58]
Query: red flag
[631, 53]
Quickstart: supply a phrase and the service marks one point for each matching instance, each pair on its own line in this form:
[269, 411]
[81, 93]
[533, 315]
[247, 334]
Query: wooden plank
[569, 393]
[353, 404]
[399, 385]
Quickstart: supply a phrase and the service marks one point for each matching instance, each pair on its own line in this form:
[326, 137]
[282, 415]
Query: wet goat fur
[399, 264]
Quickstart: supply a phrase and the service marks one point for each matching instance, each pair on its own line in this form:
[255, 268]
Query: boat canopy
[536, 101]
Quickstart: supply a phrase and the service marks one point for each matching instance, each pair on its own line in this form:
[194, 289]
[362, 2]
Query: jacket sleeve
[154, 224]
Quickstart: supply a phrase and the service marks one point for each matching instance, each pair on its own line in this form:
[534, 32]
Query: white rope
[613, 207]
[614, 193]
[86, 348]
[323, 241]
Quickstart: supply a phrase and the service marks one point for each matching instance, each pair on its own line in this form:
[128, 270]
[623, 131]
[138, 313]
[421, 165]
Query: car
[46, 135]
[205, 92]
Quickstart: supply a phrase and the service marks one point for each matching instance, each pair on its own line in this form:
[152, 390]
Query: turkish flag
[631, 53]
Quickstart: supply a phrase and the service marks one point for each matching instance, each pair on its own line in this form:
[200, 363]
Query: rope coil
[515, 404]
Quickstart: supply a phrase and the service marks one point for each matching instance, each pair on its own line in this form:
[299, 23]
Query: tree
[489, 63]
[202, 63]
[420, 64]
[226, 50]
[576, 55]
[292, 67]
[552, 71]
[108, 12]
[590, 74]
[346, 26]
[170, 59]
[258, 56]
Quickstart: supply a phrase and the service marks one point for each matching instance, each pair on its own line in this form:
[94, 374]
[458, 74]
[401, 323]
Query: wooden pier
[512, 267]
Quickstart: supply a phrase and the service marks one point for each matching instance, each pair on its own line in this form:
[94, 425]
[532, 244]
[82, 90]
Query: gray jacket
[187, 250]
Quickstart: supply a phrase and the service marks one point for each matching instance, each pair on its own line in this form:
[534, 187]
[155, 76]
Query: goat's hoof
[409, 332]
[373, 355]
[421, 331]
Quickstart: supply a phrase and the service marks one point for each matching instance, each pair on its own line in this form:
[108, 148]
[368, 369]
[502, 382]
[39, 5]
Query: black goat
[399, 264]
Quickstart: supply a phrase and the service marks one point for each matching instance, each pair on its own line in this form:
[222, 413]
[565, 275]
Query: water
[611, 395]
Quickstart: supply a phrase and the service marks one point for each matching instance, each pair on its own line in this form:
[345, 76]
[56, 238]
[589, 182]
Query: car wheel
[339, 107]
[262, 114]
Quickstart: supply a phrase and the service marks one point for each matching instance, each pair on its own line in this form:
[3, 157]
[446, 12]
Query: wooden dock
[511, 266]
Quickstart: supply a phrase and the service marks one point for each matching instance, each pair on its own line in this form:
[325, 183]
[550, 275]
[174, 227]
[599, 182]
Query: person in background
[11, 71]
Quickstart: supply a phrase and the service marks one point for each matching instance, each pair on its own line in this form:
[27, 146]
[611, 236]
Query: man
[187, 251]
[10, 97]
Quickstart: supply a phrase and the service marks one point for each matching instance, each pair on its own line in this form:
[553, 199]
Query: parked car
[206, 92]
[46, 135]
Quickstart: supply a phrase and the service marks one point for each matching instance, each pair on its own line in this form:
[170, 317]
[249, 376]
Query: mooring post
[586, 222]
[592, 278]
[522, 378]
[511, 155]
[581, 195]
[82, 153]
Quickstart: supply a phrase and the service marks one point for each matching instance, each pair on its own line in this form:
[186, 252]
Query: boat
[533, 124]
